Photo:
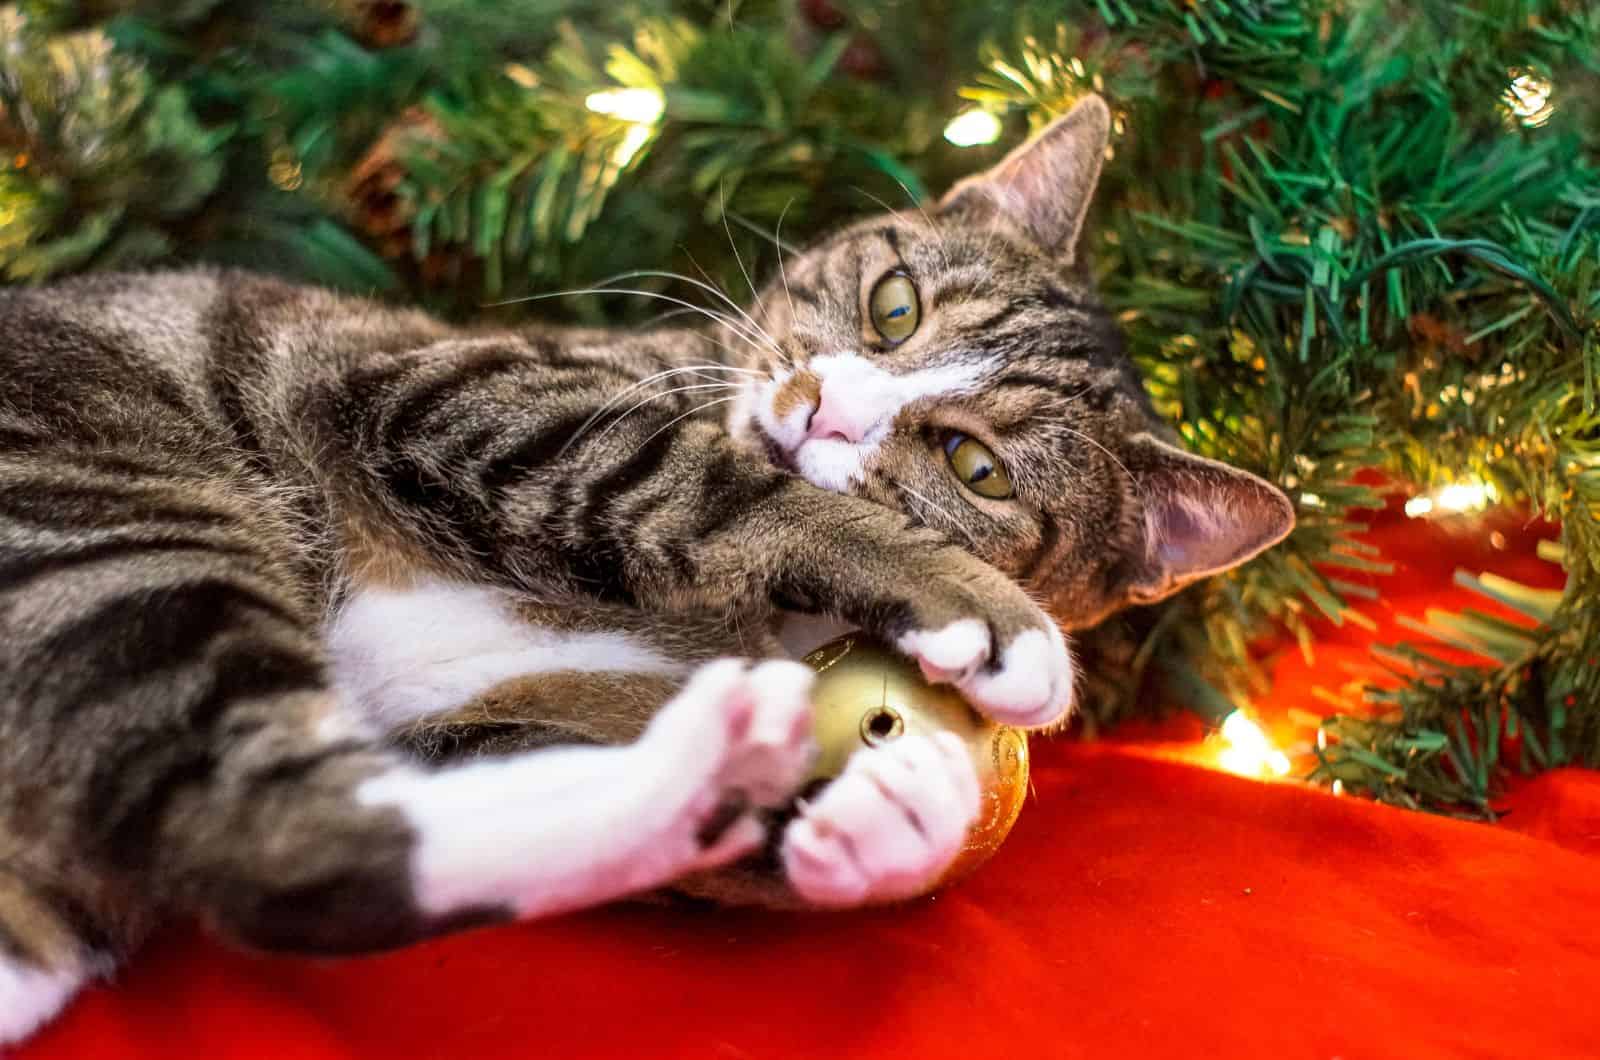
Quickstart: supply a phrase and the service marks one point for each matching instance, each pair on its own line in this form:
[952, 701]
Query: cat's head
[955, 364]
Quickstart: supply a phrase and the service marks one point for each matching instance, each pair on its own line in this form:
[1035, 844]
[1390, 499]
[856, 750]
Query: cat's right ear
[1045, 186]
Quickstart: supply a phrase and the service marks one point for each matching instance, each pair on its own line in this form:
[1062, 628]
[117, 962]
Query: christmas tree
[1355, 245]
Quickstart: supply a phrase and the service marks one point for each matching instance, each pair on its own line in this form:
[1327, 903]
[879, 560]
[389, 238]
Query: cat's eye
[977, 467]
[895, 312]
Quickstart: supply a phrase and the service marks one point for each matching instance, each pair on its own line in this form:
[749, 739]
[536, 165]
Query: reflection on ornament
[867, 695]
[972, 128]
[1249, 753]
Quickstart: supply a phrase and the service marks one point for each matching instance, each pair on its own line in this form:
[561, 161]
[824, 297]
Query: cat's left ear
[1201, 517]
[1045, 186]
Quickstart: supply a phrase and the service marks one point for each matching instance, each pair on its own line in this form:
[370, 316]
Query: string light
[972, 128]
[636, 137]
[642, 106]
[1527, 99]
[1249, 752]
[1456, 497]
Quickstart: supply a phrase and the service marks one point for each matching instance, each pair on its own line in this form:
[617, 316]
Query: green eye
[975, 465]
[894, 307]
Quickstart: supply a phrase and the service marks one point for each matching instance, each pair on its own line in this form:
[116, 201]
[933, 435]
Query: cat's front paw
[736, 738]
[887, 828]
[1008, 658]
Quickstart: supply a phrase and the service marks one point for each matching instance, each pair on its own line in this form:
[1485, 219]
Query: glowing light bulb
[1456, 497]
[1465, 496]
[636, 137]
[973, 127]
[1249, 752]
[1527, 98]
[643, 106]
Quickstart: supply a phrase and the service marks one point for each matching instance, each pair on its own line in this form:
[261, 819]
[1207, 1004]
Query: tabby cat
[298, 590]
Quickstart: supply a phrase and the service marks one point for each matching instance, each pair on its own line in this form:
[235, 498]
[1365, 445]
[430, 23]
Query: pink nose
[833, 421]
[839, 417]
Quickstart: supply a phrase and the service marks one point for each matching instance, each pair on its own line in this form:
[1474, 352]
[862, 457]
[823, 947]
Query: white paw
[742, 737]
[887, 828]
[30, 996]
[1029, 685]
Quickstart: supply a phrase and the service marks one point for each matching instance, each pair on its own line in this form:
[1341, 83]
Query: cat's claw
[1028, 682]
[887, 828]
[737, 736]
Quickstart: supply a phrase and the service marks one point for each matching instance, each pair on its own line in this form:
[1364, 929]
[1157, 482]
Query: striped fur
[299, 592]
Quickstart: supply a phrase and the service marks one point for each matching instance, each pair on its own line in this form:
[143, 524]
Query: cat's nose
[852, 403]
[838, 419]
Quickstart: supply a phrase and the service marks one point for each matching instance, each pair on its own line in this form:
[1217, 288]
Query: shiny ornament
[867, 695]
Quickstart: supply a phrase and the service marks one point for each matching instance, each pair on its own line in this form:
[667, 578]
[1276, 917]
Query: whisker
[914, 495]
[941, 242]
[657, 397]
[933, 230]
[750, 226]
[1103, 449]
[777, 241]
[623, 394]
[707, 286]
[672, 422]
[733, 325]
[723, 203]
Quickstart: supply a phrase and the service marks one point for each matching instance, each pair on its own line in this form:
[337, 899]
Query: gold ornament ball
[867, 695]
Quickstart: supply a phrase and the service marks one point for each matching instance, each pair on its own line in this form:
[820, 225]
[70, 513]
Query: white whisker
[777, 241]
[706, 286]
[1103, 449]
[733, 325]
[657, 397]
[953, 521]
[623, 394]
[672, 422]
[933, 230]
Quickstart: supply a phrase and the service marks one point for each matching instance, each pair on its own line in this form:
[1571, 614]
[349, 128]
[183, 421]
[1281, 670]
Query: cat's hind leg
[165, 741]
[43, 959]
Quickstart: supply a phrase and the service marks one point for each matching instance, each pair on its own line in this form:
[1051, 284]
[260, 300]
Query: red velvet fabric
[1144, 906]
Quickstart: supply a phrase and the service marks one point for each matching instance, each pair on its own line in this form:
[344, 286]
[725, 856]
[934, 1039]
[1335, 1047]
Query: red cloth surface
[1144, 906]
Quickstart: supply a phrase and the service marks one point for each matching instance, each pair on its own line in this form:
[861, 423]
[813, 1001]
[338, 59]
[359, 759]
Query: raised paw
[1026, 680]
[887, 828]
[735, 738]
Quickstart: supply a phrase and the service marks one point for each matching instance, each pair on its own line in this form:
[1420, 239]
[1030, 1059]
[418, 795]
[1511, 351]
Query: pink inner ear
[1209, 517]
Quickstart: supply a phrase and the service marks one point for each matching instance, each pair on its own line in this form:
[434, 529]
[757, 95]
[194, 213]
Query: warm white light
[636, 137]
[1465, 496]
[1249, 753]
[640, 105]
[973, 127]
[1456, 497]
[1528, 100]
[1311, 500]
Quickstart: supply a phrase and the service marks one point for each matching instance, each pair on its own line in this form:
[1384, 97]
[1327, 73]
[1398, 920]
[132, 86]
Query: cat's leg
[43, 960]
[887, 827]
[312, 847]
[165, 745]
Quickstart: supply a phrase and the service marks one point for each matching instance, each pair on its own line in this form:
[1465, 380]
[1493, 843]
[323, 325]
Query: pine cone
[384, 23]
[380, 211]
